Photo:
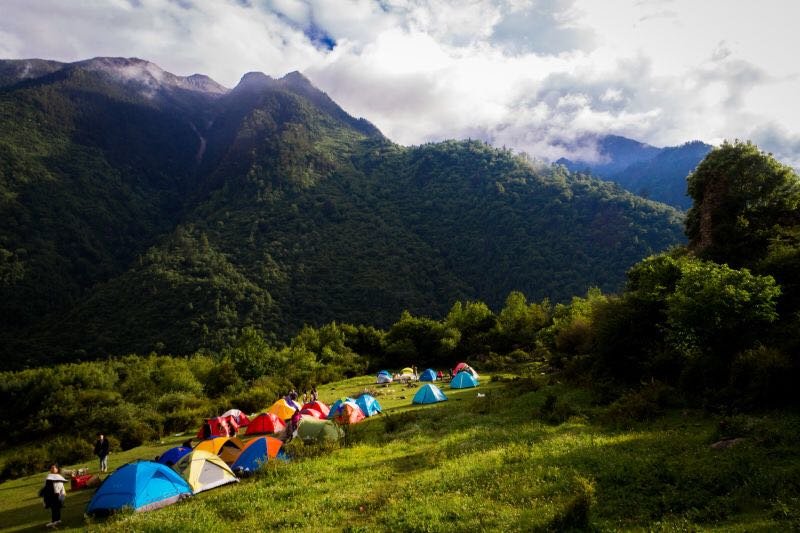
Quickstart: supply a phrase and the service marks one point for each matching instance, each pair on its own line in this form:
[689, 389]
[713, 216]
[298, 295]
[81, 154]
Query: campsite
[542, 456]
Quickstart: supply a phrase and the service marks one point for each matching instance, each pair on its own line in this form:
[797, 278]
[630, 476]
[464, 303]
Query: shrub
[27, 461]
[647, 403]
[393, 423]
[575, 514]
[67, 449]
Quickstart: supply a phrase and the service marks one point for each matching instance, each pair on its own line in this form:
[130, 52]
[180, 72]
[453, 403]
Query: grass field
[517, 458]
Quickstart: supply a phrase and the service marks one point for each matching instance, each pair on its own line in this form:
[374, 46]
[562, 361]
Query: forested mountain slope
[145, 211]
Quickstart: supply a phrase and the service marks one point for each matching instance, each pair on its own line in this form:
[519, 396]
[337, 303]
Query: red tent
[220, 426]
[319, 406]
[312, 412]
[265, 423]
[239, 417]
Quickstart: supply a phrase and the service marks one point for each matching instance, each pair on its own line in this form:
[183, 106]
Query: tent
[265, 423]
[283, 408]
[141, 486]
[319, 431]
[313, 413]
[428, 375]
[384, 376]
[336, 405]
[227, 448]
[463, 380]
[218, 426]
[319, 406]
[407, 370]
[255, 453]
[464, 367]
[429, 393]
[173, 455]
[204, 470]
[347, 413]
[368, 404]
[239, 417]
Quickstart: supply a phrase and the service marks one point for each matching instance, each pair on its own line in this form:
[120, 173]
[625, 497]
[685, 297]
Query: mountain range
[655, 173]
[143, 211]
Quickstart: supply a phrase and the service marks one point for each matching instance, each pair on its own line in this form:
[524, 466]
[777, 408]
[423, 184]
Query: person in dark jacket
[53, 494]
[101, 451]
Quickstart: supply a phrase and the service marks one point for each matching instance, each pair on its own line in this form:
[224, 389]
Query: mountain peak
[148, 77]
[254, 80]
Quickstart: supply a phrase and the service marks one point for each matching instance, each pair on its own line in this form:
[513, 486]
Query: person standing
[101, 451]
[313, 393]
[53, 494]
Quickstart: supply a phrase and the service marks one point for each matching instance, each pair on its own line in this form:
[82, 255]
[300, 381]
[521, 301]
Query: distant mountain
[655, 173]
[145, 211]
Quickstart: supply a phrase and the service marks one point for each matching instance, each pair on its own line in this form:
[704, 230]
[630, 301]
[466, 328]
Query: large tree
[742, 198]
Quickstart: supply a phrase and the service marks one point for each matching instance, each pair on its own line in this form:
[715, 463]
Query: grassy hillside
[524, 456]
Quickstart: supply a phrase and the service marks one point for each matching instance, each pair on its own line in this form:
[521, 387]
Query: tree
[742, 197]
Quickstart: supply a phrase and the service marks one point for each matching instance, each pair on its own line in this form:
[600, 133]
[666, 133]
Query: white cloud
[529, 74]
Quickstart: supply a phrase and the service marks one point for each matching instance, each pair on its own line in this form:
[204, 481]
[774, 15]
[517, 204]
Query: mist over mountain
[655, 173]
[146, 211]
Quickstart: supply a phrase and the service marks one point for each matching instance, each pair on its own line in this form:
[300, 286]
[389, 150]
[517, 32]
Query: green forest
[133, 223]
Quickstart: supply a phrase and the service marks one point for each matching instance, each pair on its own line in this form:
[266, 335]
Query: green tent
[319, 431]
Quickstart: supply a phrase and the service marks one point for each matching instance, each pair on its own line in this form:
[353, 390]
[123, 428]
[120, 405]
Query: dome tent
[257, 452]
[203, 471]
[141, 486]
[319, 406]
[228, 448]
[368, 404]
[173, 455]
[319, 431]
[265, 423]
[428, 375]
[384, 376]
[347, 412]
[464, 367]
[429, 393]
[283, 408]
[463, 380]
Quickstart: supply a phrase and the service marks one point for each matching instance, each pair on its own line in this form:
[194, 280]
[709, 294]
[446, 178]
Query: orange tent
[265, 423]
[282, 409]
[348, 413]
[228, 448]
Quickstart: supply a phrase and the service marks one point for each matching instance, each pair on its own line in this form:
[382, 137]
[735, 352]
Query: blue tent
[173, 455]
[141, 486]
[337, 406]
[384, 376]
[463, 380]
[429, 393]
[428, 375]
[368, 404]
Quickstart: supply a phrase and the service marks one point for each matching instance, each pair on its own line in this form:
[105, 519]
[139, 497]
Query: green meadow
[515, 454]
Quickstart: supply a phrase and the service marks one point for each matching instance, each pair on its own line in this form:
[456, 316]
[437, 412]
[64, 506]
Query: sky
[530, 75]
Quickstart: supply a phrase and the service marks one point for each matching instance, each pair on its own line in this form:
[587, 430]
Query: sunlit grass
[492, 463]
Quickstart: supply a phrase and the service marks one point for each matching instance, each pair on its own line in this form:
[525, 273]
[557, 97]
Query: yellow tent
[282, 409]
[407, 370]
[227, 448]
[204, 470]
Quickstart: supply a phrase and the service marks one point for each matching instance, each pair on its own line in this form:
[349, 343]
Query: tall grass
[501, 462]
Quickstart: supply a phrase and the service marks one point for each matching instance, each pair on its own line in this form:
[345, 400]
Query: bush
[647, 403]
[575, 514]
[24, 463]
[762, 377]
[394, 423]
[554, 412]
[67, 449]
